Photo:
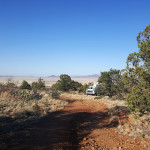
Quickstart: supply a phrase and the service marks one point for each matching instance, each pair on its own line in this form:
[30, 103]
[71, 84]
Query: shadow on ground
[59, 130]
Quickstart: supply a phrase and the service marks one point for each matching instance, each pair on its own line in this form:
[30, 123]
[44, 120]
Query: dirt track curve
[80, 125]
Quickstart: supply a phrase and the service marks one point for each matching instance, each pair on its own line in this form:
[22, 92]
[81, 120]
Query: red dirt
[80, 125]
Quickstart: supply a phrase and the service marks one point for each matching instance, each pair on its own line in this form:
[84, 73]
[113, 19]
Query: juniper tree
[137, 74]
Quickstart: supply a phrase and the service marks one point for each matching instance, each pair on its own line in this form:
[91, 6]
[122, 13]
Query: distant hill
[53, 76]
[88, 76]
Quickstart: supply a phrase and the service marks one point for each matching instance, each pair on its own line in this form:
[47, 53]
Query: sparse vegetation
[19, 106]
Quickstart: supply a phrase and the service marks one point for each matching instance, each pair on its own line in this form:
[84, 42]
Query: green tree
[25, 85]
[64, 84]
[75, 85]
[111, 82]
[137, 74]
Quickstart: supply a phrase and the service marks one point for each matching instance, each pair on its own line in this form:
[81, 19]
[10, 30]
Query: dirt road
[80, 125]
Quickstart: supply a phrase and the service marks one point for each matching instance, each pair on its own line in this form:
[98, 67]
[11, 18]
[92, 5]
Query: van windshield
[90, 87]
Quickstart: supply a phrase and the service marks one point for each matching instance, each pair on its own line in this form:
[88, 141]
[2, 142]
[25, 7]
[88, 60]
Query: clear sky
[76, 37]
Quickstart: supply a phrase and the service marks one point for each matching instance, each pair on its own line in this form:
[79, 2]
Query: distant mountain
[53, 76]
[85, 76]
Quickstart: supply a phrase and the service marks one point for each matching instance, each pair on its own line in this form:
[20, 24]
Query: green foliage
[99, 91]
[75, 85]
[136, 76]
[139, 98]
[82, 89]
[111, 83]
[27, 94]
[65, 84]
[25, 85]
[40, 85]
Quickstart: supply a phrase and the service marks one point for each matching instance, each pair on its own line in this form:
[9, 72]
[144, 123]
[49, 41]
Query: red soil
[83, 124]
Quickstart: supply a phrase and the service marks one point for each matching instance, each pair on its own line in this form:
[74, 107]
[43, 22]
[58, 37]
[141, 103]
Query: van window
[90, 87]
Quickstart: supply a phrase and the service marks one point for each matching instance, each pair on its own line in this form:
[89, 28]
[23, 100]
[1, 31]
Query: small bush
[75, 85]
[25, 85]
[139, 99]
[55, 93]
[36, 108]
[40, 85]
[27, 94]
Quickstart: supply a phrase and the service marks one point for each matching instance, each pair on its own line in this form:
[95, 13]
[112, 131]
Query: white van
[91, 90]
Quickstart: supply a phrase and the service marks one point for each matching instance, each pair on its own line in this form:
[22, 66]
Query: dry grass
[105, 100]
[16, 113]
[9, 106]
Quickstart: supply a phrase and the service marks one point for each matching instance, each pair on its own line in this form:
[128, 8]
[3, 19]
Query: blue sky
[76, 37]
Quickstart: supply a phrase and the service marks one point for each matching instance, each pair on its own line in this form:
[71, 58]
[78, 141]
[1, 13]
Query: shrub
[36, 108]
[75, 85]
[25, 85]
[27, 94]
[139, 99]
[55, 93]
[111, 83]
[99, 91]
[40, 85]
[65, 84]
